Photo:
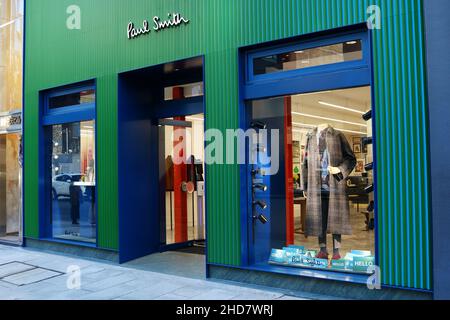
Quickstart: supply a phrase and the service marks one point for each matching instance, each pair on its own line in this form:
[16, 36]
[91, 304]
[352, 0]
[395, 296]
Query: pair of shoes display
[324, 255]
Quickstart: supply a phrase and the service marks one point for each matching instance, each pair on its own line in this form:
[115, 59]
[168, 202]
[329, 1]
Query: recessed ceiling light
[340, 107]
[351, 42]
[329, 119]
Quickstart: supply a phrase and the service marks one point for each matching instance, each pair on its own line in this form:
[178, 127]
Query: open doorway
[183, 221]
[161, 164]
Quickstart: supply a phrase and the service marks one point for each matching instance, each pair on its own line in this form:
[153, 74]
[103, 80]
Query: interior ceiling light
[341, 107]
[310, 126]
[329, 119]
[351, 42]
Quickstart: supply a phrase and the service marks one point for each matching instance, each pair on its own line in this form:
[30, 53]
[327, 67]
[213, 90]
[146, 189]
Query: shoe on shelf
[322, 255]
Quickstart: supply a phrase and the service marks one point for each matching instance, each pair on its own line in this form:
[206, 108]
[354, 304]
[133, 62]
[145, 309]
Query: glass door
[10, 188]
[182, 180]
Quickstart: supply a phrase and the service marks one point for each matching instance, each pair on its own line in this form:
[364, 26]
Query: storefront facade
[11, 52]
[105, 78]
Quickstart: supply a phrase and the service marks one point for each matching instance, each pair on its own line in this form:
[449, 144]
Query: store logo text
[174, 20]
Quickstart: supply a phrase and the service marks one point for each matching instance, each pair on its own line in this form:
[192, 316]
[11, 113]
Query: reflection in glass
[321, 192]
[11, 54]
[301, 59]
[73, 182]
[10, 184]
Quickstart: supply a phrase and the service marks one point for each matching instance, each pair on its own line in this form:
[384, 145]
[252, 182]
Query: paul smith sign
[173, 20]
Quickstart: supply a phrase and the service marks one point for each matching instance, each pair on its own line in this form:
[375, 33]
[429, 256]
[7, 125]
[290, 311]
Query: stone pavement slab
[30, 277]
[107, 281]
[13, 268]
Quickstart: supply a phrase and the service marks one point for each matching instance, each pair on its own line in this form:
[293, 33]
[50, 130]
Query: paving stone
[29, 277]
[13, 268]
[106, 281]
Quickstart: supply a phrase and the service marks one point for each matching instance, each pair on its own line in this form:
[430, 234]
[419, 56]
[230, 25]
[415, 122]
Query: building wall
[56, 56]
[438, 51]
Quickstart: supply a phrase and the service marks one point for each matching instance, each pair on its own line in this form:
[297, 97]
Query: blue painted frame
[327, 77]
[312, 43]
[23, 122]
[49, 117]
[140, 236]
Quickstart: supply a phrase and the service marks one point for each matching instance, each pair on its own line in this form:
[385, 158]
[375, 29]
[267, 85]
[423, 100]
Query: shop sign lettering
[173, 20]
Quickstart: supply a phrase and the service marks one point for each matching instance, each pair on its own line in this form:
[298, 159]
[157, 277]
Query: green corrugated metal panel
[106, 126]
[100, 50]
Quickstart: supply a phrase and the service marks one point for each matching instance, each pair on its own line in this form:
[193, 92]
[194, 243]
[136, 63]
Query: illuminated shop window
[307, 58]
[73, 182]
[325, 182]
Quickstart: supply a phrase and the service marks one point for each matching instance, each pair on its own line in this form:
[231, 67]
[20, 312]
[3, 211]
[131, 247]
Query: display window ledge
[70, 242]
[303, 272]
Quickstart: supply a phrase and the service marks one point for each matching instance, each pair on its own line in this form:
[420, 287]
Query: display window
[324, 187]
[73, 182]
[315, 207]
[70, 144]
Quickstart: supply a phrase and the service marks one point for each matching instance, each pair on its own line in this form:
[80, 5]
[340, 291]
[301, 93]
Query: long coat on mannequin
[342, 157]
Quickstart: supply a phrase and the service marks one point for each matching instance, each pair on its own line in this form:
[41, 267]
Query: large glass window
[306, 58]
[11, 46]
[11, 56]
[317, 210]
[72, 99]
[73, 210]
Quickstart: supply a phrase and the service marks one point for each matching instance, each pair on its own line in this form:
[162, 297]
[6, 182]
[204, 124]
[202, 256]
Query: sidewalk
[31, 275]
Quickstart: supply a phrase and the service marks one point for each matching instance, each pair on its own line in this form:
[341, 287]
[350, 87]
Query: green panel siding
[100, 50]
[107, 162]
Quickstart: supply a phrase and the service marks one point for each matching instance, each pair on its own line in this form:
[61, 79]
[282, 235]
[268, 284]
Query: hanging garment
[341, 156]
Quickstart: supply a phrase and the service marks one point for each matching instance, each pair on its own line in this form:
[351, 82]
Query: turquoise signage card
[361, 264]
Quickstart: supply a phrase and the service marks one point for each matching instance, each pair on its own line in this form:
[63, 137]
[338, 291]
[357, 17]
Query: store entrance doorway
[161, 162]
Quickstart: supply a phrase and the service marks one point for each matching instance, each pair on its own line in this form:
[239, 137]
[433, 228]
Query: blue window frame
[303, 46]
[69, 113]
[257, 90]
[323, 77]
[68, 209]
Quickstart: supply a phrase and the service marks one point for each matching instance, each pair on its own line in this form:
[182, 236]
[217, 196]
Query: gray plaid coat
[341, 156]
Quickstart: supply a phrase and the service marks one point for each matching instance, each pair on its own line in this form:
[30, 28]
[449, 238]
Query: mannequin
[329, 160]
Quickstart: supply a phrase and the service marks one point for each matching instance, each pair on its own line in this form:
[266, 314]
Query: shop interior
[73, 191]
[162, 204]
[342, 113]
[10, 188]
[192, 227]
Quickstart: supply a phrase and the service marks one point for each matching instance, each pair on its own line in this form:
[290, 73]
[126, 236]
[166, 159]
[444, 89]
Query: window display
[73, 182]
[320, 204]
[307, 58]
